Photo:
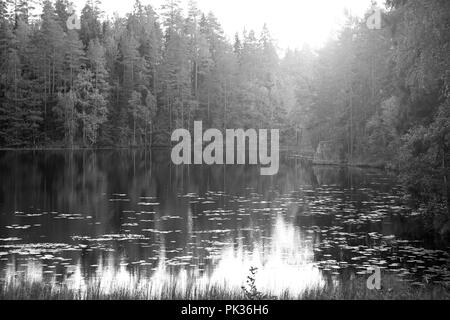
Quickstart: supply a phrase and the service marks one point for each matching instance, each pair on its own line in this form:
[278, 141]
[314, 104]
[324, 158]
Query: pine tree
[175, 66]
[91, 28]
[91, 106]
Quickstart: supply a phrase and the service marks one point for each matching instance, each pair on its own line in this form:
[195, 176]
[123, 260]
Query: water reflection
[130, 218]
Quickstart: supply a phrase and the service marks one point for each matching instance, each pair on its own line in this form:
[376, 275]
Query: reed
[392, 289]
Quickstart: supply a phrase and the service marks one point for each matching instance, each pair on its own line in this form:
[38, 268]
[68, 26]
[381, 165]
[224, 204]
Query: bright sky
[292, 22]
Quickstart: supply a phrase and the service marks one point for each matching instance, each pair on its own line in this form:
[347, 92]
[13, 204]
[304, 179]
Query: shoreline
[81, 148]
[364, 165]
[381, 166]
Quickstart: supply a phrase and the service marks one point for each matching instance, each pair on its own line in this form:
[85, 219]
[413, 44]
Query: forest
[377, 96]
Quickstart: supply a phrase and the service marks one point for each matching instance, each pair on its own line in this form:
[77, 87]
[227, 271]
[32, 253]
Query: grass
[392, 289]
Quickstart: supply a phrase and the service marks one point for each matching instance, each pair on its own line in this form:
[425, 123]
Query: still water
[127, 217]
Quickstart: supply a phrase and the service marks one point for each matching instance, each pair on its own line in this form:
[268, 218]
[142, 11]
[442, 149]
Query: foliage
[130, 80]
[425, 157]
[251, 292]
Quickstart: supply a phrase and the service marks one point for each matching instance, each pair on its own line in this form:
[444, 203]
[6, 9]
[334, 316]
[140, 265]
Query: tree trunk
[446, 179]
[134, 128]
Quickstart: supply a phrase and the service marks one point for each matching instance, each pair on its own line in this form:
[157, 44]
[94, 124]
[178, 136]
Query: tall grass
[392, 289]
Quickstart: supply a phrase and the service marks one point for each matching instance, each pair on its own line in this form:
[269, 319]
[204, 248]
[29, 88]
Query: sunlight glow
[293, 23]
[285, 265]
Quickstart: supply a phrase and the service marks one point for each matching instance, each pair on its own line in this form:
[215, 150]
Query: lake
[129, 217]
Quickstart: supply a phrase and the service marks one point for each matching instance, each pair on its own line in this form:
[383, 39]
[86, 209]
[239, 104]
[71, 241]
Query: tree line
[384, 96]
[128, 81]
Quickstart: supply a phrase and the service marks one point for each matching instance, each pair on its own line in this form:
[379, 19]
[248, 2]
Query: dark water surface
[129, 216]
